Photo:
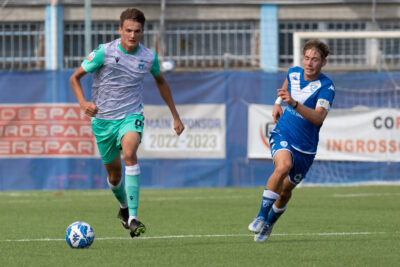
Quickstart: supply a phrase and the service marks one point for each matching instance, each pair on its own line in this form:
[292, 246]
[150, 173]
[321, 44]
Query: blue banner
[27, 162]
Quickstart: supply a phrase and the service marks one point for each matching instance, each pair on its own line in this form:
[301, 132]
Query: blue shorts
[301, 161]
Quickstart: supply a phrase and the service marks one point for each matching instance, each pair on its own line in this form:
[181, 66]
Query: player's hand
[277, 112]
[178, 126]
[89, 108]
[286, 97]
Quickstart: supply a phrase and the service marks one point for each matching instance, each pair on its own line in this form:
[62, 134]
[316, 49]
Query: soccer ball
[167, 66]
[79, 235]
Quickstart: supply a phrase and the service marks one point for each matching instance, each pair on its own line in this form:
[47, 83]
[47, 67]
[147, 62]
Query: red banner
[45, 130]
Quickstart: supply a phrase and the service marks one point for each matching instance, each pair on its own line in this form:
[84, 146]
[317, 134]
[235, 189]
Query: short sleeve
[325, 98]
[94, 60]
[288, 78]
[155, 68]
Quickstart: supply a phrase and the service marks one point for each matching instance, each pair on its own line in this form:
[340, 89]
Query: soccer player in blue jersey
[308, 94]
[116, 108]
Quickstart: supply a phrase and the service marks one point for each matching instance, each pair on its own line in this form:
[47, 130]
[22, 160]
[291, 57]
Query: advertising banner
[61, 130]
[45, 130]
[203, 137]
[347, 134]
[46, 143]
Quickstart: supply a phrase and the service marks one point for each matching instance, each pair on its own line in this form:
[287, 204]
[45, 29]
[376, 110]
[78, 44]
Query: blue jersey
[301, 133]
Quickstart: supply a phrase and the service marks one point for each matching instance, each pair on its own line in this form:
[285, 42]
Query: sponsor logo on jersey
[91, 56]
[331, 88]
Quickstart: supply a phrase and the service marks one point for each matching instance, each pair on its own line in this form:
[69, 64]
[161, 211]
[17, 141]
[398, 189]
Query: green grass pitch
[323, 226]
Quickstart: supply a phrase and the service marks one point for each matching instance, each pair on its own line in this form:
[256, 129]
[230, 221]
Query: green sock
[132, 180]
[119, 192]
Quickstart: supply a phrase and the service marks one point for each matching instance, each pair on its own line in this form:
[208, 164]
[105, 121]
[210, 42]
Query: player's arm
[277, 110]
[91, 63]
[315, 116]
[166, 95]
[89, 108]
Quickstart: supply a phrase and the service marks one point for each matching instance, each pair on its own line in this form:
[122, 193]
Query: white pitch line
[193, 198]
[144, 198]
[200, 236]
[367, 195]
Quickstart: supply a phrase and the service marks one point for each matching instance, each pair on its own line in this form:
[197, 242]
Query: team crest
[314, 86]
[141, 64]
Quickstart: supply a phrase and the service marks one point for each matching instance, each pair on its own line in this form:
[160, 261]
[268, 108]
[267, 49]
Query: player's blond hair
[321, 47]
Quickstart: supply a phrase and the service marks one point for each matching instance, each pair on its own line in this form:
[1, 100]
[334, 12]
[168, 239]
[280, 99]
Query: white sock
[131, 218]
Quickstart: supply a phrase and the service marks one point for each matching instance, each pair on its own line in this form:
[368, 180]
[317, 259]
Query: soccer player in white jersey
[116, 108]
[308, 94]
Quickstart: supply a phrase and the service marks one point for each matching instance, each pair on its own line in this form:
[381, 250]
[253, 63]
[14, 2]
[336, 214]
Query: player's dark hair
[132, 14]
[321, 47]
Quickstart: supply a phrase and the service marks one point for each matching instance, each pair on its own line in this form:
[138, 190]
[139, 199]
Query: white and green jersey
[117, 88]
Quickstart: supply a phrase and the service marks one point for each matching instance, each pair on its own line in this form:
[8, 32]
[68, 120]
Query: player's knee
[114, 178]
[130, 157]
[283, 169]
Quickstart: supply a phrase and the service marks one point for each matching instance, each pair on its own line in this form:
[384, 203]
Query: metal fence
[214, 44]
[194, 45]
[22, 46]
[189, 44]
[390, 48]
[102, 32]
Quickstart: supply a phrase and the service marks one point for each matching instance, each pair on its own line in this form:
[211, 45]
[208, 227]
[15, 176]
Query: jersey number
[139, 123]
